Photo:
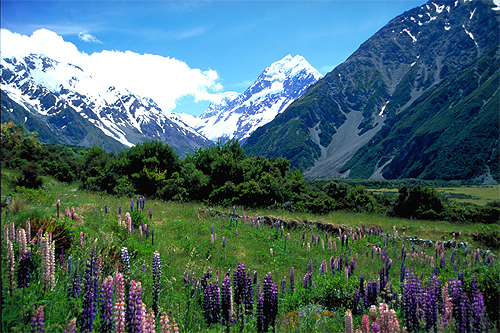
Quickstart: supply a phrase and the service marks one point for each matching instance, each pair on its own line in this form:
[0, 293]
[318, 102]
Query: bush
[30, 176]
[419, 203]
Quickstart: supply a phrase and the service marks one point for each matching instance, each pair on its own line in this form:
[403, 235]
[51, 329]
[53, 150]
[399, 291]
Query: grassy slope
[183, 241]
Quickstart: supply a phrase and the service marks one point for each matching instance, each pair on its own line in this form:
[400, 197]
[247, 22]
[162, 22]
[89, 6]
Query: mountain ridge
[363, 97]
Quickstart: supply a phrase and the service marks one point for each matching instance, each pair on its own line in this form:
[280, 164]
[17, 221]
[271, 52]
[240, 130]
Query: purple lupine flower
[411, 290]
[74, 287]
[223, 242]
[283, 286]
[134, 313]
[362, 292]
[106, 208]
[248, 296]
[120, 210]
[239, 288]
[479, 320]
[226, 300]
[382, 277]
[58, 205]
[292, 280]
[461, 305]
[211, 303]
[254, 277]
[132, 205]
[156, 281]
[106, 305]
[403, 271]
[270, 295]
[150, 213]
[431, 293]
[442, 262]
[37, 320]
[452, 255]
[260, 314]
[124, 260]
[310, 267]
[371, 293]
[89, 302]
[23, 272]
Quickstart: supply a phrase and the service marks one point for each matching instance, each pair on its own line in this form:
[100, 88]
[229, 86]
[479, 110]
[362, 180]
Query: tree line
[222, 174]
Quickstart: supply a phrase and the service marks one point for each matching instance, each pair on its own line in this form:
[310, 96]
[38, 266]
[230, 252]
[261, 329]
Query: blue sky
[236, 40]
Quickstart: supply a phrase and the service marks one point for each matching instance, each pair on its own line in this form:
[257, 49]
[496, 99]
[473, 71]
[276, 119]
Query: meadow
[88, 261]
[474, 194]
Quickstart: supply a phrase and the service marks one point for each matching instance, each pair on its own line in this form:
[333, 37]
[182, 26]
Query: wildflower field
[78, 261]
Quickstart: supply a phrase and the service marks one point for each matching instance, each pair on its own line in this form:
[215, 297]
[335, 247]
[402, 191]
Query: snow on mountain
[45, 87]
[239, 115]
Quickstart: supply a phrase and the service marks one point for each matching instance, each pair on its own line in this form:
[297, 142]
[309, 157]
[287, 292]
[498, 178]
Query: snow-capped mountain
[68, 101]
[239, 115]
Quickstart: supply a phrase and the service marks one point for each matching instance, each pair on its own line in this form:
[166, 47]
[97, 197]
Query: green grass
[479, 194]
[183, 241]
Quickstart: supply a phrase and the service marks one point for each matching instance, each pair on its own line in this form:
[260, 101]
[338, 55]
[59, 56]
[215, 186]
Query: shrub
[30, 176]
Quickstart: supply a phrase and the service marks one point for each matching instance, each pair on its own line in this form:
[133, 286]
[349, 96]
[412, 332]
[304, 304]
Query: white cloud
[88, 38]
[164, 79]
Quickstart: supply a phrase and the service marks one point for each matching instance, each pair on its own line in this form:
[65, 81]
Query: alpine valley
[419, 99]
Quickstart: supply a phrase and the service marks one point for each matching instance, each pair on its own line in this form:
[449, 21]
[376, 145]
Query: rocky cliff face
[382, 113]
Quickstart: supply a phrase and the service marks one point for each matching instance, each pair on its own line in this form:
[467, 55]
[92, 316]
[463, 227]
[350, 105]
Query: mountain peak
[239, 115]
[290, 66]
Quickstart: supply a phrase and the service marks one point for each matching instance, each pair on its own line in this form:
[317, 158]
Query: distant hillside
[418, 99]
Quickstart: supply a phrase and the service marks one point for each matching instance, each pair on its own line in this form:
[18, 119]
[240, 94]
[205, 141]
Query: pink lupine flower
[244, 217]
[71, 326]
[12, 232]
[6, 233]
[348, 322]
[66, 212]
[335, 246]
[80, 241]
[58, 205]
[119, 307]
[73, 213]
[271, 250]
[28, 231]
[22, 241]
[211, 238]
[149, 322]
[10, 265]
[308, 247]
[119, 220]
[365, 324]
[140, 232]
[48, 263]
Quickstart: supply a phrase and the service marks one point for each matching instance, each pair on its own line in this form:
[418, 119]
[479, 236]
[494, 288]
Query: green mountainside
[418, 99]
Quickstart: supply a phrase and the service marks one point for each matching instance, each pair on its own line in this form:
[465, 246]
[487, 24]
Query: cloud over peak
[166, 80]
